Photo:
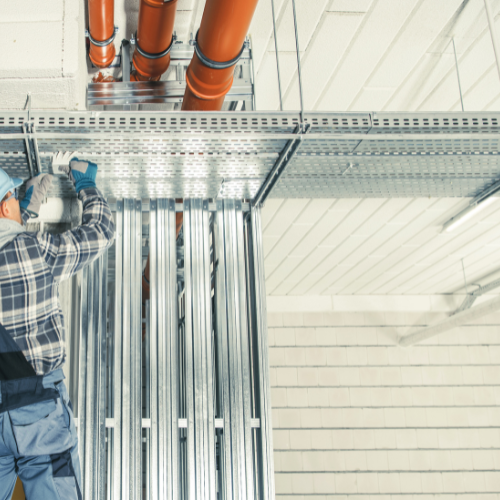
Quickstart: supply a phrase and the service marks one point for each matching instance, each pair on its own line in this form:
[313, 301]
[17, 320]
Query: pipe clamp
[158, 55]
[104, 43]
[215, 64]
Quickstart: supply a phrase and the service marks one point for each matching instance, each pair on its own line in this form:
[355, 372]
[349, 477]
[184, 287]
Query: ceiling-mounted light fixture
[476, 205]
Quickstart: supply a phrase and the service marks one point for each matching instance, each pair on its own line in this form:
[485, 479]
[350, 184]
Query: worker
[38, 440]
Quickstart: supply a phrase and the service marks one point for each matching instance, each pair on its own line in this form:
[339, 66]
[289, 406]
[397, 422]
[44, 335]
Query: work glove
[82, 173]
[36, 191]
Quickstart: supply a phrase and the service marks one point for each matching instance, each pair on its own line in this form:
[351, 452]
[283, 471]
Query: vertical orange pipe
[101, 29]
[223, 29]
[154, 38]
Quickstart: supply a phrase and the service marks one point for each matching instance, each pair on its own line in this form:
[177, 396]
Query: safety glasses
[15, 195]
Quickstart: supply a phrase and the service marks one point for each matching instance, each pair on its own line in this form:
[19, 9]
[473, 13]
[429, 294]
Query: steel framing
[232, 155]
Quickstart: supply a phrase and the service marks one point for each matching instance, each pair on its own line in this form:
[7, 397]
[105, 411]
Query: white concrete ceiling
[377, 246]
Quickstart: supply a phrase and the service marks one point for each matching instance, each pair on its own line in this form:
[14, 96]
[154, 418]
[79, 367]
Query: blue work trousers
[38, 443]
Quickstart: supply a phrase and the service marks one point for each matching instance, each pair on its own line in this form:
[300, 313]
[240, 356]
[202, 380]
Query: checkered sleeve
[71, 251]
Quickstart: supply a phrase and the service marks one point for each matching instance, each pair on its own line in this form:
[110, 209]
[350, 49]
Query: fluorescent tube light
[465, 215]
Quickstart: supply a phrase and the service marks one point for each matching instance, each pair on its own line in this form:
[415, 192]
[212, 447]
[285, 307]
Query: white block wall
[356, 417]
[43, 52]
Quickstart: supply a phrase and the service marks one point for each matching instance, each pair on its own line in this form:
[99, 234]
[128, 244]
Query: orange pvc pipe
[101, 28]
[154, 35]
[223, 29]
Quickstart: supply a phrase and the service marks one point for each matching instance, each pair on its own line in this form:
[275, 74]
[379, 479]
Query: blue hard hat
[8, 183]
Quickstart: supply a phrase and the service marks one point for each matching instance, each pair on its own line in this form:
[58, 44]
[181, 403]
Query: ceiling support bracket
[471, 297]
[281, 164]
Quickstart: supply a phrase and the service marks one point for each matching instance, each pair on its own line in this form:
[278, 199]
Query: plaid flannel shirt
[31, 267]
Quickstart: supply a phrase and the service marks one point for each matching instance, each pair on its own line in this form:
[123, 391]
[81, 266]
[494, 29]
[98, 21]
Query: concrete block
[324, 483]
[377, 356]
[31, 50]
[390, 375]
[492, 481]
[314, 461]
[484, 459]
[356, 356]
[381, 397]
[411, 375]
[478, 417]
[295, 356]
[297, 398]
[336, 356]
[343, 439]
[307, 377]
[340, 397]
[286, 377]
[274, 319]
[433, 375]
[406, 438]
[291, 461]
[410, 482]
[427, 438]
[305, 337]
[377, 460]
[276, 356]
[394, 417]
[282, 484]
[284, 337]
[373, 417]
[326, 337]
[463, 396]
[473, 375]
[300, 439]
[360, 396]
[422, 396]
[398, 460]
[278, 397]
[332, 417]
[438, 355]
[346, 483]
[388, 483]
[461, 460]
[432, 482]
[333, 460]
[31, 11]
[289, 418]
[315, 356]
[453, 482]
[436, 417]
[311, 418]
[329, 377]
[367, 483]
[452, 375]
[398, 356]
[72, 38]
[355, 461]
[294, 319]
[440, 460]
[364, 439]
[318, 397]
[474, 482]
[457, 417]
[491, 375]
[352, 417]
[347, 376]
[321, 439]
[401, 396]
[281, 439]
[420, 460]
[385, 439]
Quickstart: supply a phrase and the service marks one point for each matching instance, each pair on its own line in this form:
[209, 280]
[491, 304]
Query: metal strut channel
[92, 379]
[127, 441]
[282, 162]
[471, 297]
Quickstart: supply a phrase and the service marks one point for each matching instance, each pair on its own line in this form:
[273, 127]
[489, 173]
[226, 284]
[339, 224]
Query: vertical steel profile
[258, 319]
[234, 351]
[92, 389]
[201, 468]
[127, 458]
[164, 379]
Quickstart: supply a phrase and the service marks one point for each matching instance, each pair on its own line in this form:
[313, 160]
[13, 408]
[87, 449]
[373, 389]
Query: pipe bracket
[215, 64]
[158, 55]
[103, 43]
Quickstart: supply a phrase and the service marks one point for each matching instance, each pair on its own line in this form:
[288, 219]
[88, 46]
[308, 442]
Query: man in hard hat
[38, 440]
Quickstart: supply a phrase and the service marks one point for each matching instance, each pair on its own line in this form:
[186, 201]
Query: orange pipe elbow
[154, 39]
[220, 38]
[102, 30]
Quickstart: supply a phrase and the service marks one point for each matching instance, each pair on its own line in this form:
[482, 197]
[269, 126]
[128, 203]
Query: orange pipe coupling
[219, 45]
[154, 39]
[102, 32]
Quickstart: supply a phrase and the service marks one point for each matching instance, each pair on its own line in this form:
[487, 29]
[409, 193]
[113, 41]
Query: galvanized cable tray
[230, 154]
